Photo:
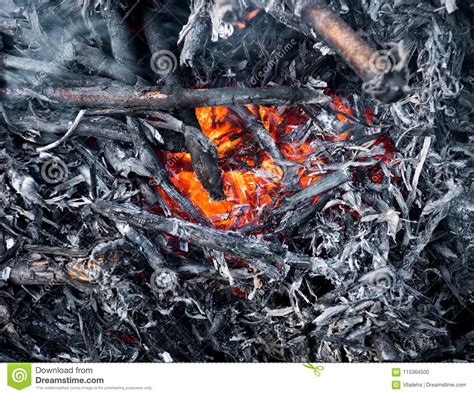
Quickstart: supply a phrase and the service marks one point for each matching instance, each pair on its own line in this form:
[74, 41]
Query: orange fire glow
[252, 14]
[241, 24]
[253, 181]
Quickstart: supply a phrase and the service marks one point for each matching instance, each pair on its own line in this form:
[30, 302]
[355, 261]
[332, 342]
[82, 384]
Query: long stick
[373, 67]
[119, 97]
[269, 257]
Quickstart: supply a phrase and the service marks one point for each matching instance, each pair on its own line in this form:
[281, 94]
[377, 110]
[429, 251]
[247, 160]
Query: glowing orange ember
[253, 181]
[252, 14]
[241, 24]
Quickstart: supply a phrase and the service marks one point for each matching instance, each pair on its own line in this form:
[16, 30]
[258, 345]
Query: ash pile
[236, 180]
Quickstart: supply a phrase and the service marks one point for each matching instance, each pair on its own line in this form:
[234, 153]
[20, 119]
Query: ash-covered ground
[215, 181]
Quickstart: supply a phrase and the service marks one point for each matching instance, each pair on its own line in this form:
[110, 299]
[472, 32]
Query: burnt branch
[269, 257]
[387, 82]
[303, 198]
[261, 135]
[127, 98]
[383, 75]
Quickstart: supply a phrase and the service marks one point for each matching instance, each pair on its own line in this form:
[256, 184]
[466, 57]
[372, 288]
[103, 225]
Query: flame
[253, 181]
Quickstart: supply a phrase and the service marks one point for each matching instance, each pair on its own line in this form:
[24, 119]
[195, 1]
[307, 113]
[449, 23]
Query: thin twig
[71, 130]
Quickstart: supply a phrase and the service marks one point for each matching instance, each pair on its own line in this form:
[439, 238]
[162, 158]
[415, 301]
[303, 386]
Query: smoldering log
[203, 155]
[204, 159]
[118, 97]
[42, 275]
[339, 36]
[203, 152]
[303, 197]
[261, 135]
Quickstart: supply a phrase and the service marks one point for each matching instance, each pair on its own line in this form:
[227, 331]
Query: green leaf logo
[19, 375]
[317, 369]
